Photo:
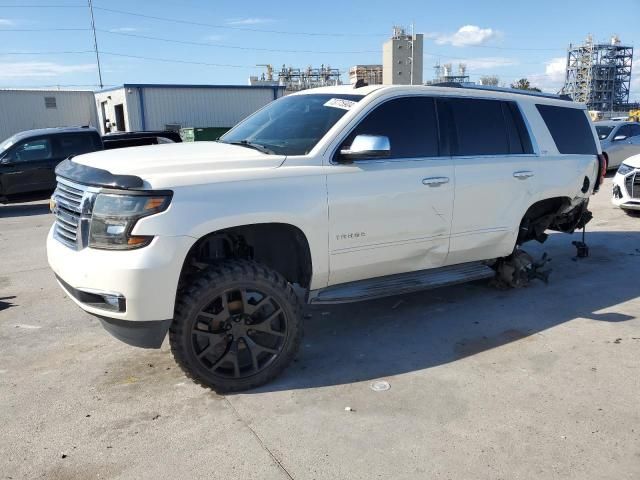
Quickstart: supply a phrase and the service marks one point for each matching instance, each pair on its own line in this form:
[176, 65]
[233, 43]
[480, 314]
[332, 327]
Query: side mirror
[6, 160]
[367, 146]
[618, 138]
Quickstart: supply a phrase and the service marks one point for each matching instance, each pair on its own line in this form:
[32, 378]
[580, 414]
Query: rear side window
[570, 129]
[409, 122]
[488, 127]
[74, 144]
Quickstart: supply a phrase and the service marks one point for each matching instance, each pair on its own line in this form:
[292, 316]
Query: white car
[626, 185]
[349, 193]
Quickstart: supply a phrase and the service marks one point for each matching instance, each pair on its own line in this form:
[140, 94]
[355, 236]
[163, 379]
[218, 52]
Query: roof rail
[487, 88]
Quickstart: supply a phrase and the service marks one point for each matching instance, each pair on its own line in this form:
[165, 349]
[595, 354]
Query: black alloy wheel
[236, 326]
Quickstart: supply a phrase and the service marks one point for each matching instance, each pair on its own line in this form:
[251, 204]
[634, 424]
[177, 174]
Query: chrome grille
[632, 184]
[70, 210]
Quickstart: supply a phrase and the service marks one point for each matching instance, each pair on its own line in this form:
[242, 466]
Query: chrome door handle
[523, 174]
[435, 181]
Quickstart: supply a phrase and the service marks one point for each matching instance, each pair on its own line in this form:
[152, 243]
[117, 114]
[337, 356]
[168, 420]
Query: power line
[42, 6]
[236, 47]
[44, 29]
[171, 60]
[233, 27]
[48, 53]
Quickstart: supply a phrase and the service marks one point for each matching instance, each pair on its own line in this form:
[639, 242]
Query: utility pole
[95, 42]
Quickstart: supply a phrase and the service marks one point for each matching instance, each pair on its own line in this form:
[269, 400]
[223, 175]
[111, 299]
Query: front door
[26, 167]
[392, 215]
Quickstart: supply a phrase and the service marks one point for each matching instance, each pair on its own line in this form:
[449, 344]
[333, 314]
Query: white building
[402, 57]
[135, 107]
[370, 74]
[28, 109]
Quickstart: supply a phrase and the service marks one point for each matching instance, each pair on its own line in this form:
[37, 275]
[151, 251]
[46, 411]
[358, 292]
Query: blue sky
[492, 37]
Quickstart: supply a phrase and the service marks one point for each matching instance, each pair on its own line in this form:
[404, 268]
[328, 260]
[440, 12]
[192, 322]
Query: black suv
[28, 159]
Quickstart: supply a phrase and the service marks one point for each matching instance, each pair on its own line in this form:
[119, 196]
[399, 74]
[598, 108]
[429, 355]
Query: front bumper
[626, 190]
[143, 281]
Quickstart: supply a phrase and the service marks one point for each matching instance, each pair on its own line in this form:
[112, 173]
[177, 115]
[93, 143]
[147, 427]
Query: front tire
[237, 326]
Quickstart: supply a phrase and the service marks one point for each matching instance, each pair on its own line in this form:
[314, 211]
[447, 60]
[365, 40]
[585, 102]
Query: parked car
[619, 139]
[626, 186]
[28, 159]
[349, 193]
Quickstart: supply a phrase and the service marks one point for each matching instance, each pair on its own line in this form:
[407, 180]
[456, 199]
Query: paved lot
[542, 382]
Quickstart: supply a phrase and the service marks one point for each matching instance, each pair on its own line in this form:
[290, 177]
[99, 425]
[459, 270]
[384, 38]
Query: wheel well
[539, 217]
[279, 246]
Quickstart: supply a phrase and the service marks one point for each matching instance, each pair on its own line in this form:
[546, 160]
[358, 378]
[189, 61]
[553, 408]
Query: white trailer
[136, 107]
[28, 109]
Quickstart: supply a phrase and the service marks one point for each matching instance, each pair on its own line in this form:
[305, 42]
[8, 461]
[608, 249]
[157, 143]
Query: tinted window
[410, 123]
[603, 132]
[32, 150]
[292, 125]
[635, 130]
[624, 131]
[519, 140]
[570, 129]
[481, 127]
[74, 144]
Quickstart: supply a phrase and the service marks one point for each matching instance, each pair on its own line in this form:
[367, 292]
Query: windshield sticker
[340, 103]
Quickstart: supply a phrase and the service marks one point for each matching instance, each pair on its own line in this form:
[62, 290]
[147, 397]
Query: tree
[490, 81]
[524, 84]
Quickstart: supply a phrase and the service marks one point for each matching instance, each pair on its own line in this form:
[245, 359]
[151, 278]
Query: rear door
[392, 215]
[26, 165]
[71, 144]
[495, 177]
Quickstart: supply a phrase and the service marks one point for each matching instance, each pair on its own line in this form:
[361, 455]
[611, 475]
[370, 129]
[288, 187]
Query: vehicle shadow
[24, 209]
[366, 341]
[5, 304]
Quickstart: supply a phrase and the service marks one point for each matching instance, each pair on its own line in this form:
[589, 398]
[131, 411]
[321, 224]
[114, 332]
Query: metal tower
[599, 74]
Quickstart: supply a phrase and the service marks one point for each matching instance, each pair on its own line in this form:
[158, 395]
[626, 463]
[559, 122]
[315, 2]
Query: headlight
[623, 169]
[114, 216]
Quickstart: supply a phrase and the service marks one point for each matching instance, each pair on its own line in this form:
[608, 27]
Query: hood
[162, 166]
[633, 161]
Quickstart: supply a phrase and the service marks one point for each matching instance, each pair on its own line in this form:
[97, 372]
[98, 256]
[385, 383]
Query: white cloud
[466, 36]
[487, 63]
[5, 22]
[635, 88]
[213, 38]
[249, 21]
[124, 30]
[552, 80]
[41, 69]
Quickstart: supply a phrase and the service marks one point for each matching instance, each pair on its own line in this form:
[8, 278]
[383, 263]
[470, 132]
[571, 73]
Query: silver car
[620, 140]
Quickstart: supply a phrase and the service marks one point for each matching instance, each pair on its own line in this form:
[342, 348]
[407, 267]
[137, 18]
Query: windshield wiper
[248, 144]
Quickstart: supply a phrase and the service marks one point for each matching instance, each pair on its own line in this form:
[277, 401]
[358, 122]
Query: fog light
[114, 302]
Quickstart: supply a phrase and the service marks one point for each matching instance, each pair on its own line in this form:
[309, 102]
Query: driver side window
[410, 124]
[32, 150]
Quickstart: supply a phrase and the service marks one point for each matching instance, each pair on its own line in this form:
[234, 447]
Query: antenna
[95, 42]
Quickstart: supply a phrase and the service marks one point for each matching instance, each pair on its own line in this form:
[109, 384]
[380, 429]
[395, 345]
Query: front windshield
[603, 132]
[7, 143]
[291, 125]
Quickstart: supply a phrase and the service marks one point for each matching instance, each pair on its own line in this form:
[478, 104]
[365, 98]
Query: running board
[391, 285]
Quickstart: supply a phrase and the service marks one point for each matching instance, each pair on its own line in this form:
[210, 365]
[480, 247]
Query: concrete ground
[541, 382]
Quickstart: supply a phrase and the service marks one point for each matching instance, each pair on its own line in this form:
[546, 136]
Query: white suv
[349, 193]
